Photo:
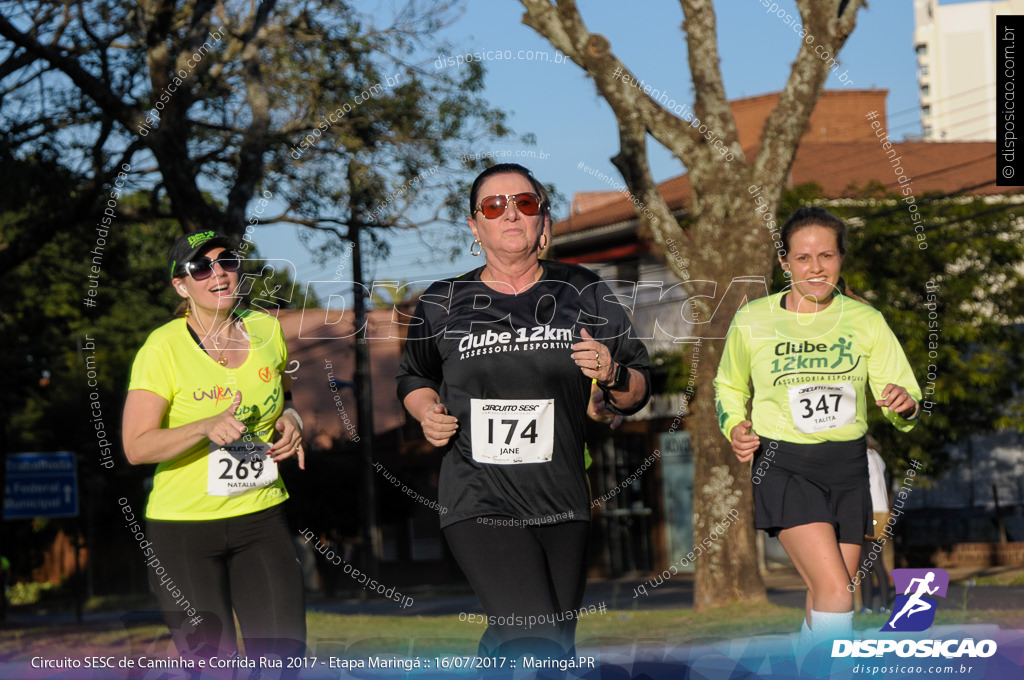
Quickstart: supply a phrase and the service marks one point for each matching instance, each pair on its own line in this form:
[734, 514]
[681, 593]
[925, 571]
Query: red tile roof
[839, 166]
[583, 201]
[840, 150]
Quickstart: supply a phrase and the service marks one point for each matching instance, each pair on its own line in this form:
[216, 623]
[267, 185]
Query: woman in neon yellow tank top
[208, 402]
[811, 352]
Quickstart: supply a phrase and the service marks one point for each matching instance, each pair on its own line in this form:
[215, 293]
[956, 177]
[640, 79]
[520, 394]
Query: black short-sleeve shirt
[502, 365]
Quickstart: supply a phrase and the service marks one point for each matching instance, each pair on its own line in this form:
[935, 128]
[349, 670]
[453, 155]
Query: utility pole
[362, 379]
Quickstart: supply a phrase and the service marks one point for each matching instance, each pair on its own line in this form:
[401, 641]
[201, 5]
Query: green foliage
[671, 370]
[953, 293]
[31, 593]
[374, 144]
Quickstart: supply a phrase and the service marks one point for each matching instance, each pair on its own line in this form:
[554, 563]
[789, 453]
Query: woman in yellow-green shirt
[208, 403]
[810, 353]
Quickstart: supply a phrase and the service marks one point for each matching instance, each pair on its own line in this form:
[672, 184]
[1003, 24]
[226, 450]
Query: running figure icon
[919, 587]
[843, 345]
[915, 604]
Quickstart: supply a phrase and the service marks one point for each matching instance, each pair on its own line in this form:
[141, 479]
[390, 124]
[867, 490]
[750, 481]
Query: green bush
[31, 593]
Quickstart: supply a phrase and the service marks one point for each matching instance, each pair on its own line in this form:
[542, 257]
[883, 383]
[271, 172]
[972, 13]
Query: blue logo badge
[914, 610]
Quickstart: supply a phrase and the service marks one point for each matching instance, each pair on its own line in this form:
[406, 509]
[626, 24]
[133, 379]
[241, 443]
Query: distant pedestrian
[873, 560]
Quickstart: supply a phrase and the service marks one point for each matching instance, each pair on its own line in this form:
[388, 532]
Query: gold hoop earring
[544, 241]
[476, 252]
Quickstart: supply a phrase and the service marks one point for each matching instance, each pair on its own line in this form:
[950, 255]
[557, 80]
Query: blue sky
[573, 124]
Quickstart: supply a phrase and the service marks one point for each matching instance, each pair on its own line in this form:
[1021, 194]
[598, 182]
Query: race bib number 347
[817, 408]
[512, 431]
[238, 467]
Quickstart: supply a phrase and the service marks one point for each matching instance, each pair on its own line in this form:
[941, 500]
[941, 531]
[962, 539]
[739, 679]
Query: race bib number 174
[512, 431]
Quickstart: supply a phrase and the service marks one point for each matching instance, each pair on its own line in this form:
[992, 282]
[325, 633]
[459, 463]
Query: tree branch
[627, 95]
[787, 122]
[711, 104]
[631, 162]
[254, 141]
[91, 86]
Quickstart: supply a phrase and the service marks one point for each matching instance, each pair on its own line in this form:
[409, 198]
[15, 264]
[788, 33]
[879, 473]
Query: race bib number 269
[238, 467]
[512, 431]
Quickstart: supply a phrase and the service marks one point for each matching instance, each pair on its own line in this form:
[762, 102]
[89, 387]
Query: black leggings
[247, 564]
[524, 571]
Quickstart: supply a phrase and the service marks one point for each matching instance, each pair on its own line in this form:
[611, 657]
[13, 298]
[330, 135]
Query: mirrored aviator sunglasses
[527, 203]
[201, 268]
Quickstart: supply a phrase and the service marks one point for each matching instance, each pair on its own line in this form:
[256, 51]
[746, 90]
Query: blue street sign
[41, 485]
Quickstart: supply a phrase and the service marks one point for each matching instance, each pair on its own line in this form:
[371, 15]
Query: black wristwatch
[620, 380]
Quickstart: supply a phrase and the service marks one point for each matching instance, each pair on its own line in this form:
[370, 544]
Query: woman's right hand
[744, 442]
[438, 426]
[225, 428]
[147, 439]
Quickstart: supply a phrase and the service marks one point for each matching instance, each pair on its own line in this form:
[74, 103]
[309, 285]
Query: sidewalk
[785, 588]
[764, 656]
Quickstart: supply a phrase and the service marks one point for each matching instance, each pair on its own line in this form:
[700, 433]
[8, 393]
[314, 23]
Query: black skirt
[797, 484]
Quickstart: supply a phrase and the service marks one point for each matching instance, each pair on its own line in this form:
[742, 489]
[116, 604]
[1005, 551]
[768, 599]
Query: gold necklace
[220, 359]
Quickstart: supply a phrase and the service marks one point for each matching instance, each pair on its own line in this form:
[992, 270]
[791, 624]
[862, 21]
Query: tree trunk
[723, 515]
[723, 511]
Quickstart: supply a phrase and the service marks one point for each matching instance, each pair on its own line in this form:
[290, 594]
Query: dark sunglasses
[527, 203]
[201, 268]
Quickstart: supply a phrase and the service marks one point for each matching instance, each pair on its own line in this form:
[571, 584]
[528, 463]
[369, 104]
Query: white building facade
[956, 67]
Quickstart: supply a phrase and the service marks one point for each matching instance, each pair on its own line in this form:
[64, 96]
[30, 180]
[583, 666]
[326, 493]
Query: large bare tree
[721, 212]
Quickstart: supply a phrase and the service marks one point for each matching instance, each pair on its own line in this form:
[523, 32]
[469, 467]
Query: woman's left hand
[593, 358]
[597, 410]
[289, 443]
[897, 400]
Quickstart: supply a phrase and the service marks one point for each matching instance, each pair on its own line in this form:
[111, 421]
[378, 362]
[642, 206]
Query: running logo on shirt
[801, 362]
[523, 339]
[795, 356]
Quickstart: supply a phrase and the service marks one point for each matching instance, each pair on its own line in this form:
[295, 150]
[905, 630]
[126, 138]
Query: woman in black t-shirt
[498, 368]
